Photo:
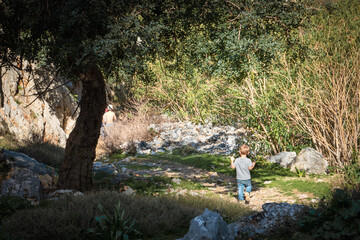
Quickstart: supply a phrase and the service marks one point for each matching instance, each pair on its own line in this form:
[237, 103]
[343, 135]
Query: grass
[9, 142]
[43, 152]
[147, 186]
[317, 189]
[281, 178]
[215, 163]
[155, 217]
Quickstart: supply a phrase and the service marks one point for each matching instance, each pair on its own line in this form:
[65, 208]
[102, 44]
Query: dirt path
[214, 182]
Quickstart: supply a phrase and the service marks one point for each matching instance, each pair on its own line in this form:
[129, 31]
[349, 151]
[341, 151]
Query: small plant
[351, 171]
[112, 227]
[300, 173]
[9, 204]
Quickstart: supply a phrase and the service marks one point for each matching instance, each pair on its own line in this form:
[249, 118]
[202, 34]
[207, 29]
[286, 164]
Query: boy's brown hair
[244, 149]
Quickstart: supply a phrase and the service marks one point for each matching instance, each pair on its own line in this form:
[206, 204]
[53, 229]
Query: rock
[311, 161]
[127, 190]
[107, 168]
[23, 183]
[63, 193]
[26, 177]
[176, 180]
[48, 118]
[209, 225]
[283, 158]
[273, 216]
[22, 160]
[46, 181]
[203, 138]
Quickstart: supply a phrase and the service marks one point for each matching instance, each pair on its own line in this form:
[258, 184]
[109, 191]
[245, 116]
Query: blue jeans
[241, 185]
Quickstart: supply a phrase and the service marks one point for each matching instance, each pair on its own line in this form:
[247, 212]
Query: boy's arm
[232, 162]
[252, 166]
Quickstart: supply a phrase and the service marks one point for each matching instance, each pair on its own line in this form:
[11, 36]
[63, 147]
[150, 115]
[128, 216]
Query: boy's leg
[240, 190]
[247, 190]
[248, 186]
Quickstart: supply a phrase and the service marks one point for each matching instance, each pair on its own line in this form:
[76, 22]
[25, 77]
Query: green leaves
[112, 227]
[300, 173]
[340, 220]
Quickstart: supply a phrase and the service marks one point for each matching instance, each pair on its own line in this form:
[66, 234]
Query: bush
[68, 218]
[9, 204]
[112, 227]
[44, 152]
[132, 125]
[339, 220]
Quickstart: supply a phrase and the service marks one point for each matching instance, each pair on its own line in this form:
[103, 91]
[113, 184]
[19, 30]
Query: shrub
[132, 125]
[339, 220]
[112, 227]
[44, 152]
[9, 204]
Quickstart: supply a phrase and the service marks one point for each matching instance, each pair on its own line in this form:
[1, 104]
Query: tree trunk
[76, 168]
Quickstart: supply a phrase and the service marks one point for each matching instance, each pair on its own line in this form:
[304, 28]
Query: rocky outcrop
[25, 177]
[209, 225]
[283, 158]
[196, 137]
[311, 161]
[273, 217]
[36, 105]
[308, 160]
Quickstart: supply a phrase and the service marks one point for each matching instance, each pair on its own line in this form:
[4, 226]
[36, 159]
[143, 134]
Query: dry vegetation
[324, 102]
[132, 125]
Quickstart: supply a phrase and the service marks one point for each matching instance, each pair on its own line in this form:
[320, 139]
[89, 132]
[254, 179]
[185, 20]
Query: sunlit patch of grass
[230, 211]
[263, 171]
[210, 162]
[9, 142]
[160, 185]
[137, 166]
[118, 156]
[317, 189]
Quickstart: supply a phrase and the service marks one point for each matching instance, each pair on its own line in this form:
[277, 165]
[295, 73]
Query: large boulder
[208, 226]
[25, 177]
[283, 158]
[36, 105]
[273, 217]
[311, 161]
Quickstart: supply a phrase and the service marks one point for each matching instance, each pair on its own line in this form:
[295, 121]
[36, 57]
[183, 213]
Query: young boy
[243, 166]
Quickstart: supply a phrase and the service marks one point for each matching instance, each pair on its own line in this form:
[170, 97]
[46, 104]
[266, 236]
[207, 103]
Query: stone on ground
[311, 161]
[273, 217]
[210, 226]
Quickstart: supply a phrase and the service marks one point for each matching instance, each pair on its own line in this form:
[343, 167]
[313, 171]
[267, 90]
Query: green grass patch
[137, 166]
[145, 185]
[9, 142]
[230, 211]
[118, 156]
[209, 162]
[318, 189]
[159, 185]
[263, 171]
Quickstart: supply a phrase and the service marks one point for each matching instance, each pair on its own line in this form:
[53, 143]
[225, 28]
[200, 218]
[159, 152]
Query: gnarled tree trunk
[76, 168]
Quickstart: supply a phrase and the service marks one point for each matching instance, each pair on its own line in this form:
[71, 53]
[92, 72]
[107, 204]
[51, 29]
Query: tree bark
[76, 168]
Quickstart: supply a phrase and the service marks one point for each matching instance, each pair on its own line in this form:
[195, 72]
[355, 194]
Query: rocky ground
[214, 183]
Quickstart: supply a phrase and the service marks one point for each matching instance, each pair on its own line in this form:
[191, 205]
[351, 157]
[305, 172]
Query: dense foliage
[339, 220]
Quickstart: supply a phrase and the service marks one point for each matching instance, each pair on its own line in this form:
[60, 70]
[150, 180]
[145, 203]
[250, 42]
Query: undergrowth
[153, 216]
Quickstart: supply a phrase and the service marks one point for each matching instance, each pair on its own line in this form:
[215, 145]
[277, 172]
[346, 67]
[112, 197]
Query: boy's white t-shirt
[242, 165]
